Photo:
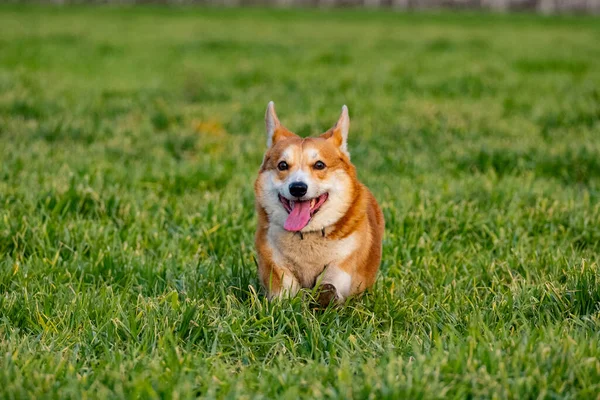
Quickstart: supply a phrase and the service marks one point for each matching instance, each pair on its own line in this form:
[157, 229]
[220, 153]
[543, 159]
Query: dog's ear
[275, 131]
[339, 133]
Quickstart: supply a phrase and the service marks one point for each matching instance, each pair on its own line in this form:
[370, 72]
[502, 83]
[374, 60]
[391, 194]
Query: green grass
[129, 142]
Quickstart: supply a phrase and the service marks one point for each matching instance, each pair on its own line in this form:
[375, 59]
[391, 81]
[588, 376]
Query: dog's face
[305, 184]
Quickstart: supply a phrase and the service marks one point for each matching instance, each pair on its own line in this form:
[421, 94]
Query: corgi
[317, 224]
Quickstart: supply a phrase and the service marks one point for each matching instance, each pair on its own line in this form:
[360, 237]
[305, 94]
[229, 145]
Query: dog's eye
[282, 166]
[319, 165]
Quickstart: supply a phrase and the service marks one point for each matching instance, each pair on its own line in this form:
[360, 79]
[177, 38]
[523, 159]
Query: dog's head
[305, 184]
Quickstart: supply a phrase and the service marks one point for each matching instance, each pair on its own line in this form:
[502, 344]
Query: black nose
[298, 189]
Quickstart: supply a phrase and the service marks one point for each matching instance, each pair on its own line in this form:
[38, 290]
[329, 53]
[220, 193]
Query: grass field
[130, 139]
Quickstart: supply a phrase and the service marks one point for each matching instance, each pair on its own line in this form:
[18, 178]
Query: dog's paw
[327, 294]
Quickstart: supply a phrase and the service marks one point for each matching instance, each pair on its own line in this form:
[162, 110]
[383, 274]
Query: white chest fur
[306, 256]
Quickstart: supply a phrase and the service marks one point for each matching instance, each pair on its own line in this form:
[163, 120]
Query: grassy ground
[130, 139]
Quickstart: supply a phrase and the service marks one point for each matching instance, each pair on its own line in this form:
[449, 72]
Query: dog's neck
[322, 233]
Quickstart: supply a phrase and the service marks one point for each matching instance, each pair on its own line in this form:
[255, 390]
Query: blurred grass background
[130, 138]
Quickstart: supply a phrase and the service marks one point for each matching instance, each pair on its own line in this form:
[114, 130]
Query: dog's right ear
[275, 131]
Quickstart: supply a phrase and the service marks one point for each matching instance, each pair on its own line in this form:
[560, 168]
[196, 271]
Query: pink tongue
[299, 216]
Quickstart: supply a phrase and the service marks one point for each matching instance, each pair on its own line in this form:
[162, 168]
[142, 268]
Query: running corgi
[317, 224]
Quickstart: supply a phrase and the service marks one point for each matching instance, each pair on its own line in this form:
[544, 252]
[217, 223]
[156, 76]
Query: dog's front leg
[279, 282]
[289, 285]
[335, 285]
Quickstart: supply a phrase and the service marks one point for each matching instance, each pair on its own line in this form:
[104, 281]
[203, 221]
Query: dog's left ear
[339, 133]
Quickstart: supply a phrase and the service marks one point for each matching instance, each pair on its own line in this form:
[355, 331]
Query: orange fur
[344, 254]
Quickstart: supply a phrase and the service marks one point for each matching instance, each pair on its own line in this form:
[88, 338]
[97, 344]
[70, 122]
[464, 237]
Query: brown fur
[351, 245]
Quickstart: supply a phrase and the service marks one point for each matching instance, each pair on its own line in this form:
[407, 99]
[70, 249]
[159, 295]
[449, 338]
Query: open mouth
[300, 212]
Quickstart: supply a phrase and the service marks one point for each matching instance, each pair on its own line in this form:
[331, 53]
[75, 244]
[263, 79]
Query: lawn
[130, 139]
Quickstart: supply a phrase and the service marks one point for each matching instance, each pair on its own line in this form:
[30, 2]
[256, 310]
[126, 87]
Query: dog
[317, 224]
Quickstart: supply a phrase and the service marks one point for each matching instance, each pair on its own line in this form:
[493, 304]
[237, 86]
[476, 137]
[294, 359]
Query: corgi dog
[317, 224]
